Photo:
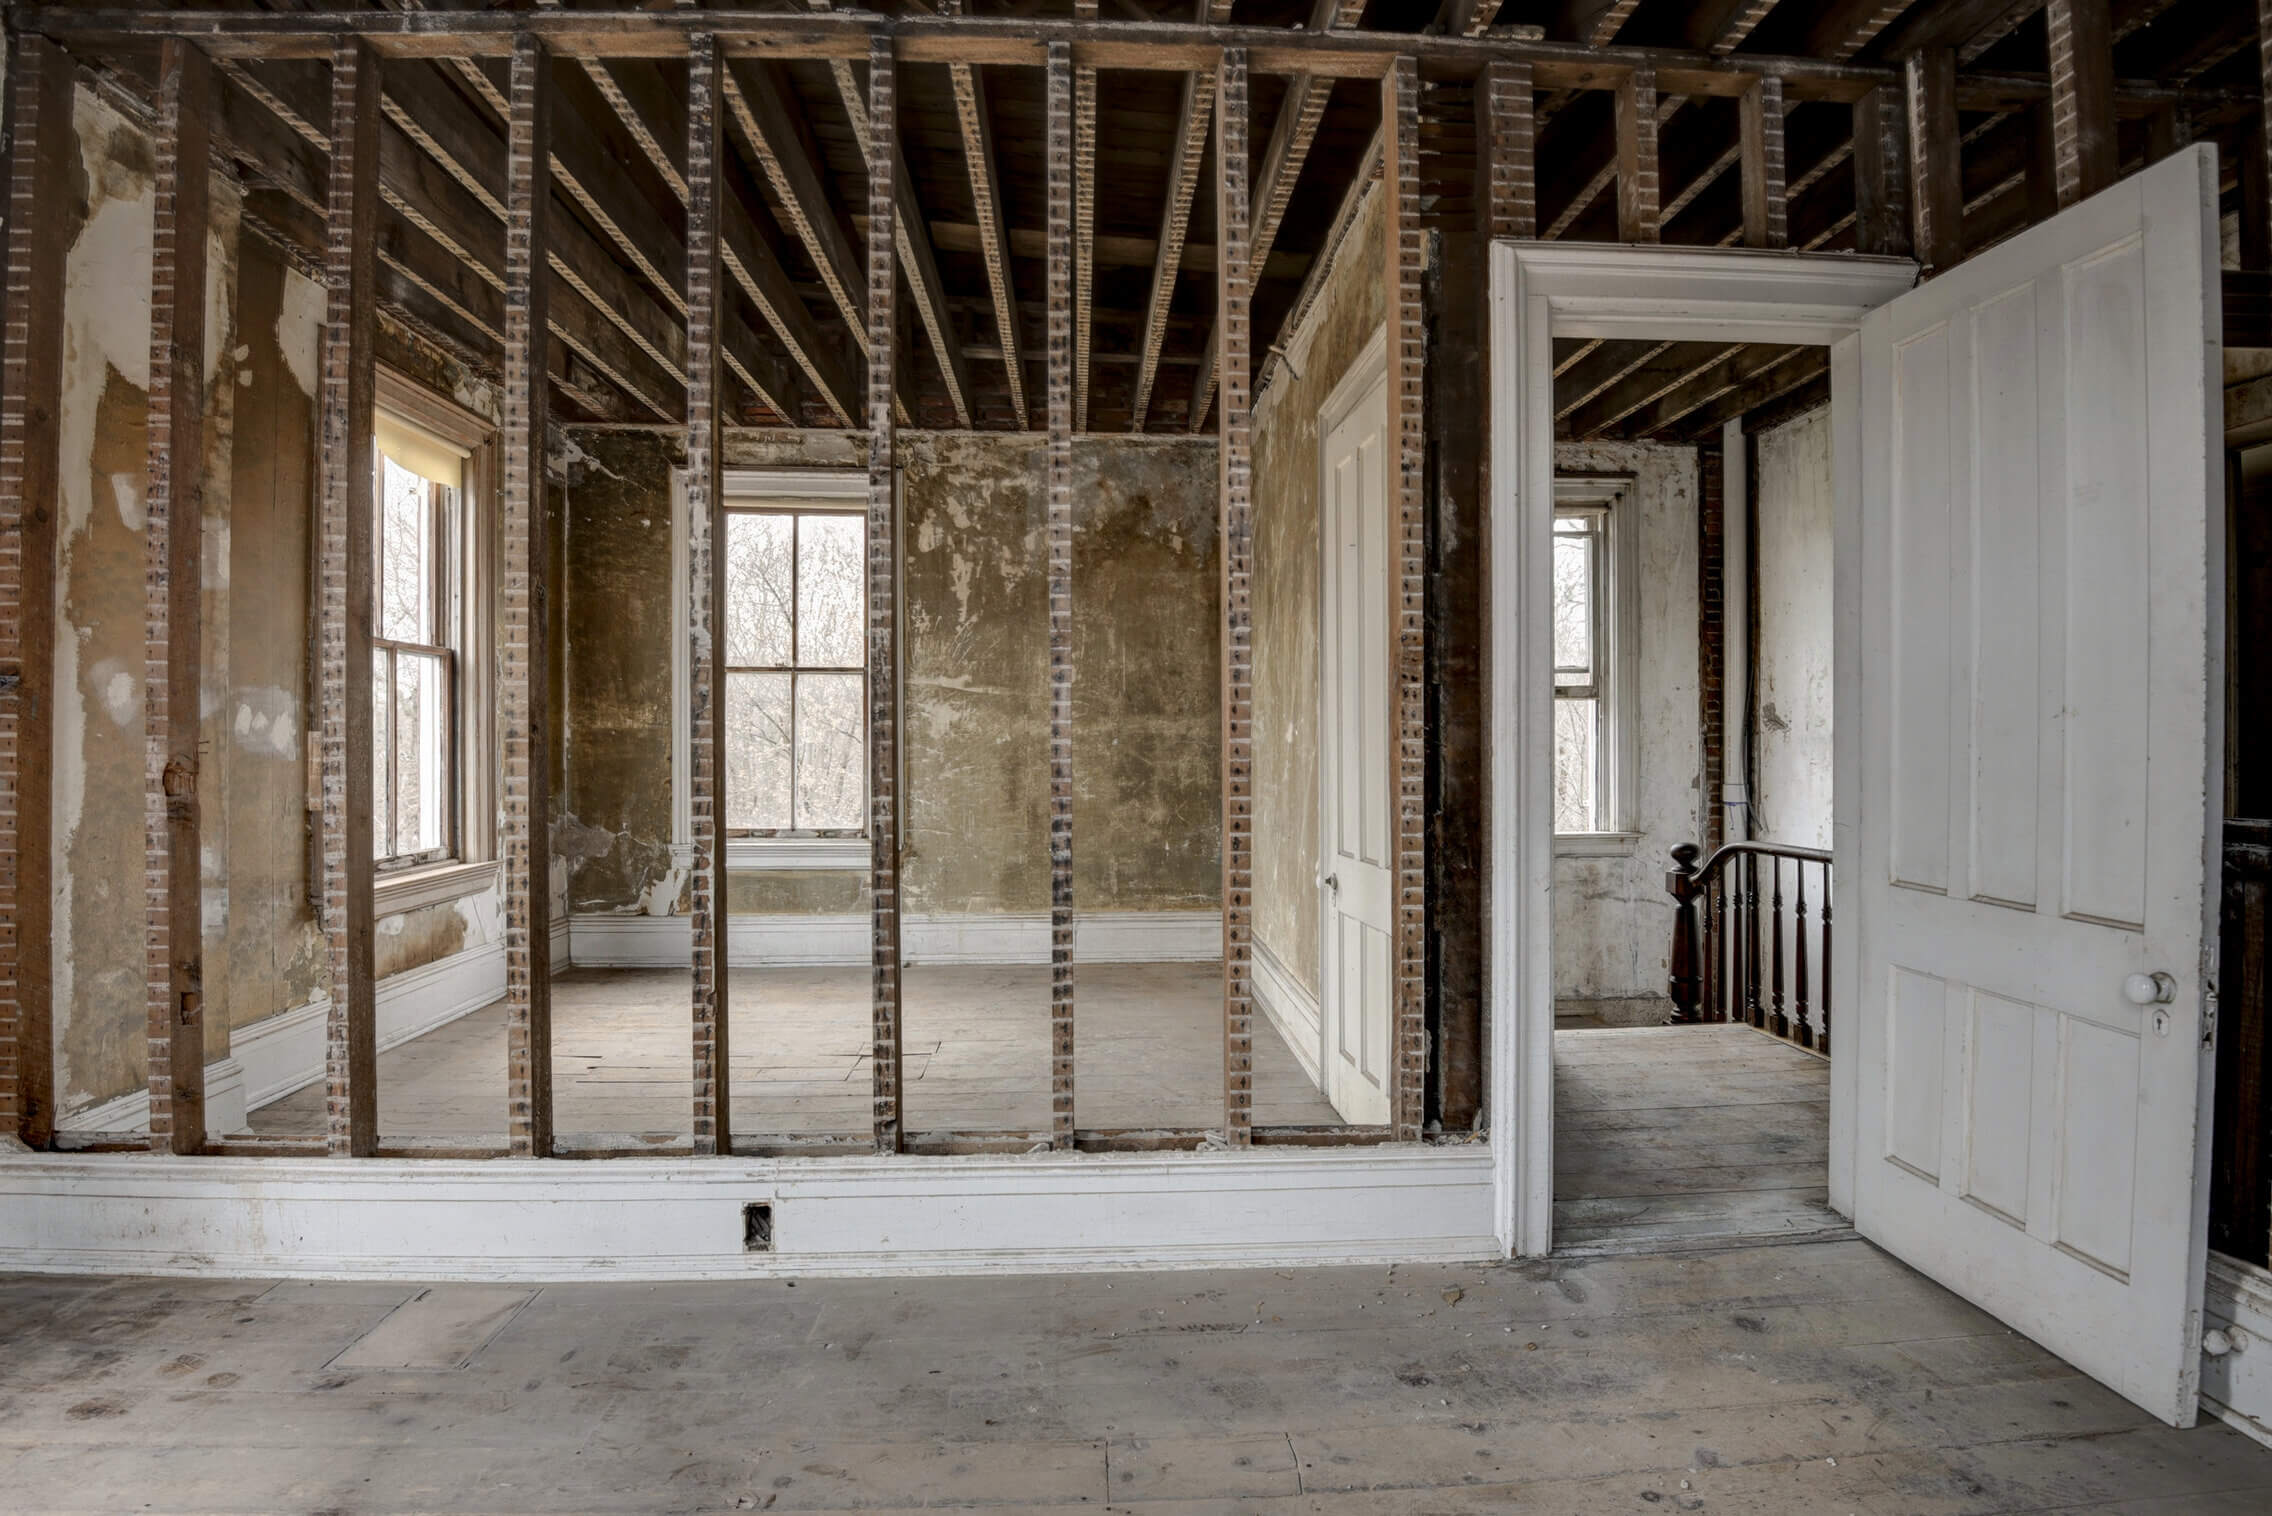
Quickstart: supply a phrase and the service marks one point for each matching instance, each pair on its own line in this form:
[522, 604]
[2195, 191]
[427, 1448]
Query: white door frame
[1540, 291]
[1368, 371]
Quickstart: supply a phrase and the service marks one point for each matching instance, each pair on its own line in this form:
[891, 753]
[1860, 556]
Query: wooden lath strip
[42, 153]
[883, 600]
[525, 764]
[1175, 221]
[173, 543]
[1408, 354]
[1235, 465]
[1060, 175]
[706, 581]
[1084, 231]
[972, 114]
[348, 390]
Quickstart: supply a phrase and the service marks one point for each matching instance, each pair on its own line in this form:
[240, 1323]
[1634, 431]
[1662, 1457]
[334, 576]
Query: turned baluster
[1685, 981]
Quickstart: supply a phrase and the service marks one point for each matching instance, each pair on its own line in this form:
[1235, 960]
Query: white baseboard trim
[681, 1218]
[608, 941]
[1290, 1008]
[279, 1054]
[2236, 1387]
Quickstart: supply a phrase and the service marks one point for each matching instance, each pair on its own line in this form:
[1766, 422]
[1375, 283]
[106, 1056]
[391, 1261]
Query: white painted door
[1357, 886]
[2039, 584]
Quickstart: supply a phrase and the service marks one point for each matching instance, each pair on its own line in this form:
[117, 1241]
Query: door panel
[2039, 584]
[1359, 900]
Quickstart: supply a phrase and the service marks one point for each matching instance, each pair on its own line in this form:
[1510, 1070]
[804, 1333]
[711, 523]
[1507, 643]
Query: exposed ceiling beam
[1779, 379]
[1722, 26]
[1845, 27]
[1111, 251]
[1194, 115]
[1700, 388]
[1596, 23]
[1084, 222]
[972, 112]
[1664, 371]
[1321, 267]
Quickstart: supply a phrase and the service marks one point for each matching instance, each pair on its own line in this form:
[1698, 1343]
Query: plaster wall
[1286, 599]
[1145, 723]
[1612, 918]
[1791, 797]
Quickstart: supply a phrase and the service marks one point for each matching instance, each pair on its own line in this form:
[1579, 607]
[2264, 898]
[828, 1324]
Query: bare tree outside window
[796, 679]
[1580, 748]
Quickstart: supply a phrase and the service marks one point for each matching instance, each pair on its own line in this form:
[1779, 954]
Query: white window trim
[474, 869]
[743, 853]
[1620, 661]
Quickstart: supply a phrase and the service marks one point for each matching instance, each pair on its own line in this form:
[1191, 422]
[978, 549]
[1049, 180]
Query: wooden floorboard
[975, 1056]
[1678, 1135]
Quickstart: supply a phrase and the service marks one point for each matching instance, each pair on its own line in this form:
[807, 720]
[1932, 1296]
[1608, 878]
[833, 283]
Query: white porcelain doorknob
[2149, 989]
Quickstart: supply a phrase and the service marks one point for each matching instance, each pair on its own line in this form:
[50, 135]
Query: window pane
[757, 590]
[832, 752]
[831, 603]
[406, 555]
[382, 769]
[1576, 773]
[1573, 607]
[757, 752]
[421, 767]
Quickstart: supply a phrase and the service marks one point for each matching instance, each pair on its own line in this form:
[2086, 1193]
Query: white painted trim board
[625, 941]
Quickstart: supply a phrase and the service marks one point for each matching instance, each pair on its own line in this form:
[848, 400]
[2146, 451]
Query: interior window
[1582, 692]
[796, 673]
[416, 626]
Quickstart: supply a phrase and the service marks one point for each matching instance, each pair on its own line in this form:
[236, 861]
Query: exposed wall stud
[1765, 214]
[1408, 351]
[42, 154]
[344, 453]
[173, 542]
[1506, 149]
[883, 595]
[1881, 173]
[1936, 171]
[706, 580]
[2084, 154]
[523, 695]
[1235, 463]
[1637, 156]
[1061, 383]
[1084, 222]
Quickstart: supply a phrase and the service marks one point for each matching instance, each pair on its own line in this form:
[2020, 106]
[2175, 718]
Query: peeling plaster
[299, 330]
[1792, 798]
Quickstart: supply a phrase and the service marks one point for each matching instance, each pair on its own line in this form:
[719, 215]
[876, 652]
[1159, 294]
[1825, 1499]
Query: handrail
[1732, 948]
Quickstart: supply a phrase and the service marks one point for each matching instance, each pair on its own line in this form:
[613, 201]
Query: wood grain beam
[884, 813]
[1595, 23]
[173, 547]
[1059, 86]
[1881, 174]
[1175, 219]
[706, 590]
[1506, 152]
[1844, 27]
[1766, 216]
[1085, 222]
[1971, 27]
[1936, 187]
[975, 118]
[1798, 367]
[1700, 388]
[42, 155]
[1664, 371]
[1722, 26]
[1235, 471]
[1407, 399]
[347, 391]
[523, 664]
[2085, 158]
[1637, 164]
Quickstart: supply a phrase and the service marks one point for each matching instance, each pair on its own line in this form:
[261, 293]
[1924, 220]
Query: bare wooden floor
[1669, 1136]
[1149, 1053]
[1819, 1378]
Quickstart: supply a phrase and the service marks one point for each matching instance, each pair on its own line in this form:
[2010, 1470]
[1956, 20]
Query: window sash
[1596, 683]
[444, 616]
[797, 512]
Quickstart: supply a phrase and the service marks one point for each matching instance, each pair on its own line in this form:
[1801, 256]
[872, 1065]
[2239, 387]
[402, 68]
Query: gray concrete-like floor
[1668, 1136]
[1148, 1052]
[1810, 1378]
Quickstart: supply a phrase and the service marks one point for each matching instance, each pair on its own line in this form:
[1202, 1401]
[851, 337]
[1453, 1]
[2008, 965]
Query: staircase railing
[1751, 939]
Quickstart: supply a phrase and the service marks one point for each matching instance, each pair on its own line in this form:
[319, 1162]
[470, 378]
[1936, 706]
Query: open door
[1358, 785]
[2039, 654]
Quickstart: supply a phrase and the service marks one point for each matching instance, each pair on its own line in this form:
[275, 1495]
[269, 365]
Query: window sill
[1596, 844]
[845, 854]
[434, 884]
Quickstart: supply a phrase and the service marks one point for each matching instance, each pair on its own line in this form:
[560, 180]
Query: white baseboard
[2236, 1387]
[606, 941]
[1292, 1009]
[279, 1054]
[682, 1218]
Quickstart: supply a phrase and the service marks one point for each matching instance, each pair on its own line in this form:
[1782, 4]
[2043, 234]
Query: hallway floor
[1822, 1377]
[1674, 1136]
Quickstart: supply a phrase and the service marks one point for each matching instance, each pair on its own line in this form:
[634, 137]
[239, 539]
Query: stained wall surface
[1612, 918]
[1146, 739]
[1790, 800]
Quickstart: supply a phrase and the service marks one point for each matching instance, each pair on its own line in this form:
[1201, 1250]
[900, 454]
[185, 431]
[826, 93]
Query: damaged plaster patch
[299, 329]
[126, 489]
[267, 722]
[122, 699]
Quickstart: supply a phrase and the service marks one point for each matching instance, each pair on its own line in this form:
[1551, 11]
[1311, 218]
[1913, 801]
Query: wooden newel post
[1685, 985]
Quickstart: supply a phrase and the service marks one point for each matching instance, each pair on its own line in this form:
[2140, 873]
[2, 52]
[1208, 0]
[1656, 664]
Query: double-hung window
[796, 692]
[1591, 650]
